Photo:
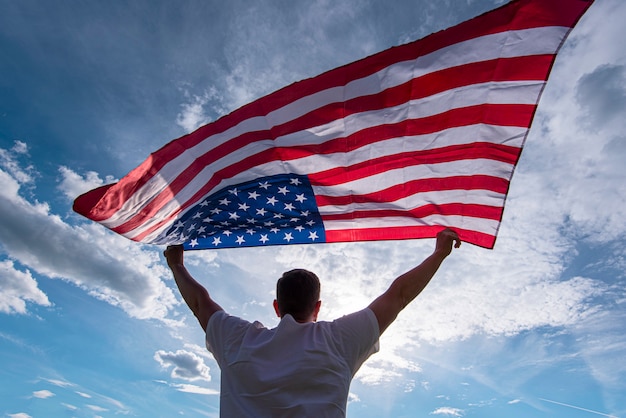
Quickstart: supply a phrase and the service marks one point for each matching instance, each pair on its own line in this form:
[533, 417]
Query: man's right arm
[194, 294]
[406, 287]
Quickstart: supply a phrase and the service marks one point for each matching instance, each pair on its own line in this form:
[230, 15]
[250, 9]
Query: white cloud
[186, 365]
[578, 142]
[60, 383]
[43, 394]
[17, 288]
[20, 415]
[72, 184]
[19, 147]
[96, 408]
[9, 161]
[194, 389]
[106, 265]
[195, 112]
[446, 410]
[353, 398]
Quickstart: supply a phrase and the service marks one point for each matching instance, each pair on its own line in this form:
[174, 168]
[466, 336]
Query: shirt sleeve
[224, 334]
[357, 335]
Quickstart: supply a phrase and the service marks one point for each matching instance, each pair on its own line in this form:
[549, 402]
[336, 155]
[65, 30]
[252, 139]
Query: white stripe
[543, 40]
[390, 178]
[486, 226]
[417, 200]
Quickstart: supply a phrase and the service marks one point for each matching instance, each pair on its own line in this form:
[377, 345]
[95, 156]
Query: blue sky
[91, 324]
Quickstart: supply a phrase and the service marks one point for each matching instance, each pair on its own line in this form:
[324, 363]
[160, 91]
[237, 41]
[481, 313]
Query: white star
[243, 206]
[294, 219]
[225, 201]
[217, 241]
[268, 223]
[233, 191]
[305, 213]
[283, 190]
[251, 221]
[300, 198]
[278, 216]
[274, 230]
[271, 200]
[240, 239]
[179, 224]
[310, 223]
[289, 206]
[253, 195]
[204, 203]
[288, 236]
[233, 215]
[250, 231]
[295, 181]
[216, 211]
[313, 235]
[265, 185]
[193, 243]
[198, 215]
[264, 238]
[191, 227]
[207, 219]
[261, 212]
[201, 230]
[227, 233]
[299, 228]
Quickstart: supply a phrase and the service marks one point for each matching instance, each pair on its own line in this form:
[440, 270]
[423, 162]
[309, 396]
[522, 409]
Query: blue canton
[274, 210]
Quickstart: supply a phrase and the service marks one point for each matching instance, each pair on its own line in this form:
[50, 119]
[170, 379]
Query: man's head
[298, 294]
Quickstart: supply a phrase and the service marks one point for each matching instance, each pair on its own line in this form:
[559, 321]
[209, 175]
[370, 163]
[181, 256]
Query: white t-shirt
[293, 370]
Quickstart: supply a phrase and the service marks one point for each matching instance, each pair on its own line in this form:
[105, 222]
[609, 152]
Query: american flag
[394, 146]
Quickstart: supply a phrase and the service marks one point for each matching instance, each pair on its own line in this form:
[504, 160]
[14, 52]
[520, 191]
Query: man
[301, 368]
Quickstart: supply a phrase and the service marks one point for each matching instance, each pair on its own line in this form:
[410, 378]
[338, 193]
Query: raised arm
[406, 287]
[194, 294]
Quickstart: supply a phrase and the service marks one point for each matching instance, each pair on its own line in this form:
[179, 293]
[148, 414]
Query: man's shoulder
[222, 320]
[365, 315]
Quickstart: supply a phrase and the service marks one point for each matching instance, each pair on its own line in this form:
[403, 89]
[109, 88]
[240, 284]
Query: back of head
[297, 292]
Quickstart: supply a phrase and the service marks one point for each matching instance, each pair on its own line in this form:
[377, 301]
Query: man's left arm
[194, 294]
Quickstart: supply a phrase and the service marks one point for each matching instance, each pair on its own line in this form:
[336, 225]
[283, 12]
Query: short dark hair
[297, 292]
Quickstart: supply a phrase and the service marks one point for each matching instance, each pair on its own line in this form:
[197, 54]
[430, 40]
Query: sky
[91, 324]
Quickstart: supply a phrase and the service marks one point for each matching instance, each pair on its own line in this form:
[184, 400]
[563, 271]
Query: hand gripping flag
[394, 146]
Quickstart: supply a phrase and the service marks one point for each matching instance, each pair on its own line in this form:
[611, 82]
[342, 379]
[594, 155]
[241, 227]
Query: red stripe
[446, 209]
[511, 115]
[381, 165]
[408, 188]
[407, 232]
